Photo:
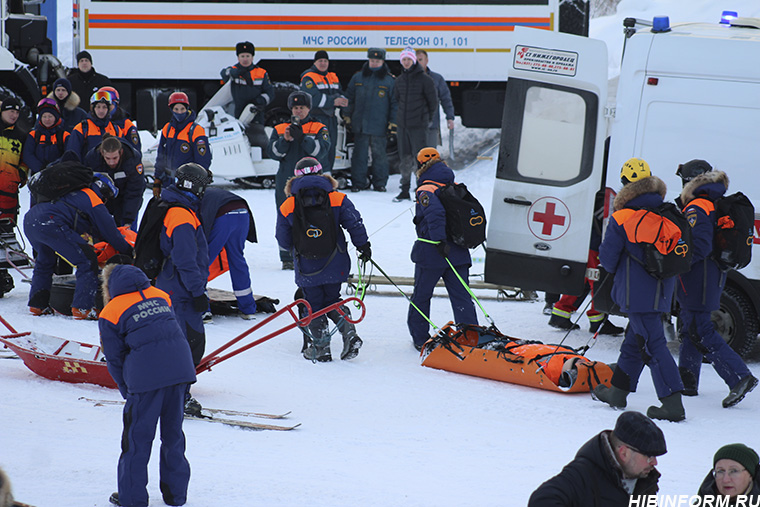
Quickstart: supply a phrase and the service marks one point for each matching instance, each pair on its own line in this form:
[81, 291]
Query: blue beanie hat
[62, 82]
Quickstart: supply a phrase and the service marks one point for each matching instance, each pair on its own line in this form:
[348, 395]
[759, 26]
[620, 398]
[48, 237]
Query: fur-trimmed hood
[715, 183]
[424, 167]
[6, 496]
[121, 279]
[289, 183]
[72, 101]
[650, 185]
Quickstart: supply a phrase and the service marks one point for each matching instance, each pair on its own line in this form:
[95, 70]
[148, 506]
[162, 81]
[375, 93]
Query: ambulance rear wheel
[736, 320]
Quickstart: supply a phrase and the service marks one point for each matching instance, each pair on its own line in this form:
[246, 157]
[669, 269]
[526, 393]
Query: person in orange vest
[46, 142]
[89, 133]
[290, 142]
[182, 141]
[121, 119]
[326, 95]
[250, 83]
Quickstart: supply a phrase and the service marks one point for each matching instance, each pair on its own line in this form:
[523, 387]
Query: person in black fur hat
[250, 83]
[613, 468]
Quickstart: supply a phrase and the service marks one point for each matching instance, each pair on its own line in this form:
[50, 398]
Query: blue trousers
[699, 338]
[229, 232]
[424, 284]
[645, 344]
[142, 413]
[360, 161]
[191, 323]
[49, 238]
[321, 296]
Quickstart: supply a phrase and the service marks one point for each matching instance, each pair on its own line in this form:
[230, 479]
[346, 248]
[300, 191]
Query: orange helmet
[114, 93]
[179, 98]
[426, 154]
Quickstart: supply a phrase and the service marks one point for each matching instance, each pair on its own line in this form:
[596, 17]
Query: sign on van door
[550, 162]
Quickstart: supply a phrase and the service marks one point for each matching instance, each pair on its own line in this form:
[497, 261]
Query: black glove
[200, 303]
[296, 131]
[443, 248]
[365, 252]
[266, 305]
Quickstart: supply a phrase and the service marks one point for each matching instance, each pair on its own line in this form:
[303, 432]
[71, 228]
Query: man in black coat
[417, 101]
[609, 469]
[84, 80]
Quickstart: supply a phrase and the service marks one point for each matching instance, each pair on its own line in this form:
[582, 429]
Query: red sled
[60, 359]
[76, 362]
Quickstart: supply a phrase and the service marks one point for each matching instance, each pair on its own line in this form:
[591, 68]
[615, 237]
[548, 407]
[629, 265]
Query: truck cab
[680, 96]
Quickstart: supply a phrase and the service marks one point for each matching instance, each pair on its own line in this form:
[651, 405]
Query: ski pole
[437, 329]
[488, 317]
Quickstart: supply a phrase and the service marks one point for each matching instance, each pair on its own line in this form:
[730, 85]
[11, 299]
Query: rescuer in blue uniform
[182, 141]
[372, 113]
[89, 133]
[150, 361]
[321, 278]
[643, 297]
[249, 83]
[57, 227]
[290, 142]
[430, 258]
[699, 292]
[326, 96]
[228, 224]
[46, 142]
[116, 157]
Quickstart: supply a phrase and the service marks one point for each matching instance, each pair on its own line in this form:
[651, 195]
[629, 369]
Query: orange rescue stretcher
[57, 358]
[487, 353]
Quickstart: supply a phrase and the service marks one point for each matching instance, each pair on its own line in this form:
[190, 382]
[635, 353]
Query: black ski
[222, 411]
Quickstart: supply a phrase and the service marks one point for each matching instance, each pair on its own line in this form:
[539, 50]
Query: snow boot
[548, 307]
[740, 390]
[192, 407]
[84, 313]
[671, 409]
[351, 342]
[37, 312]
[114, 498]
[605, 327]
[402, 196]
[690, 382]
[612, 396]
[319, 348]
[561, 322]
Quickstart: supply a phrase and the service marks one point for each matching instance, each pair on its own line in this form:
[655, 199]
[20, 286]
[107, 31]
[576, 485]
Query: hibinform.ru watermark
[693, 501]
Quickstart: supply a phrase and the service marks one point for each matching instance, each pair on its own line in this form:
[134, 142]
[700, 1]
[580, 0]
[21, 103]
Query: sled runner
[486, 352]
[57, 358]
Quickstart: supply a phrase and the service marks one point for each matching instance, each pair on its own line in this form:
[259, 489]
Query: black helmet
[308, 165]
[193, 178]
[692, 169]
[105, 185]
[299, 98]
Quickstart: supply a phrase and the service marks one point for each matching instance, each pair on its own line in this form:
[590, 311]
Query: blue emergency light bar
[661, 24]
[727, 16]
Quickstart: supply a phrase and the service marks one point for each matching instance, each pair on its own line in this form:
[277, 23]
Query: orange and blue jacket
[13, 172]
[144, 346]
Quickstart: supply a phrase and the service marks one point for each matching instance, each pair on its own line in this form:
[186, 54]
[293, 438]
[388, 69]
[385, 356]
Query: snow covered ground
[377, 431]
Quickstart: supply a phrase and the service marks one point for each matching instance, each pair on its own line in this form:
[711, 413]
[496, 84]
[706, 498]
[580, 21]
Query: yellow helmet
[634, 169]
[426, 154]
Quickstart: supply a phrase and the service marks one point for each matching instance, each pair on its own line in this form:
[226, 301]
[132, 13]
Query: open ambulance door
[550, 162]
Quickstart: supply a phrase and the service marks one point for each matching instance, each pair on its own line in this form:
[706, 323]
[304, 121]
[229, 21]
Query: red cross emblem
[548, 218]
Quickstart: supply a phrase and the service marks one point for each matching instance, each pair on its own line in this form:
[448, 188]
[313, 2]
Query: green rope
[467, 287]
[404, 294]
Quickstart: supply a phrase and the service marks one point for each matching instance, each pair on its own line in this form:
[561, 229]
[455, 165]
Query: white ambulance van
[689, 91]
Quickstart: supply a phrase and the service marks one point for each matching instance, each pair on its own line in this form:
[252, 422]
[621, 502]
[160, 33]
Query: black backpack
[148, 255]
[314, 232]
[59, 179]
[734, 231]
[647, 227]
[465, 216]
